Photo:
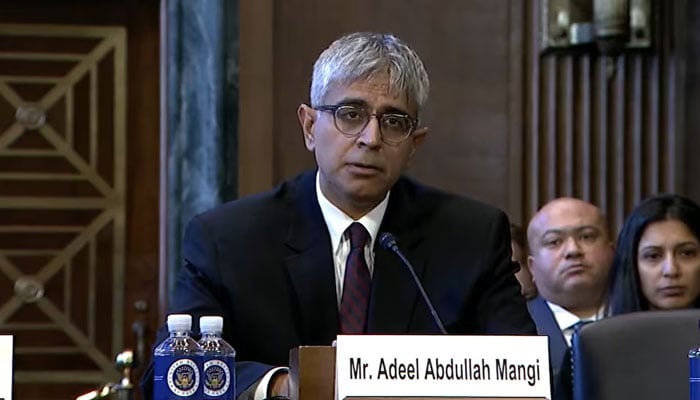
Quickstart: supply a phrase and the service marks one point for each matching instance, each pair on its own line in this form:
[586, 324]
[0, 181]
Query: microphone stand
[388, 241]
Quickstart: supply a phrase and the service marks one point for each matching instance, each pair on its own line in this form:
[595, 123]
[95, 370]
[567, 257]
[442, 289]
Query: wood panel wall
[692, 101]
[472, 54]
[40, 370]
[606, 130]
[509, 125]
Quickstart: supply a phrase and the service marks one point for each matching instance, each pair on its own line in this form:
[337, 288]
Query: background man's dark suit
[265, 264]
[559, 354]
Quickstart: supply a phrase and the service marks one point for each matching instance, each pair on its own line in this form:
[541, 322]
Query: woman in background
[657, 261]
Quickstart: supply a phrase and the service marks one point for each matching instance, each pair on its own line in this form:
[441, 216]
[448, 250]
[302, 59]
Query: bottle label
[217, 378]
[694, 378]
[183, 377]
[176, 378]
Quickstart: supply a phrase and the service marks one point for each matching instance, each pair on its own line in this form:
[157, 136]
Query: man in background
[570, 258]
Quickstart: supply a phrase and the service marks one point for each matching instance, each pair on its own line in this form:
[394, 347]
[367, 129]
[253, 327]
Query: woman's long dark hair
[625, 289]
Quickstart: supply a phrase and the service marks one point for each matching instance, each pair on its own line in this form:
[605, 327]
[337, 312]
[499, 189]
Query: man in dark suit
[276, 266]
[570, 257]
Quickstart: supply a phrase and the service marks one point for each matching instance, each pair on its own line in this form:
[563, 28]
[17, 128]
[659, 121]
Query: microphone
[388, 242]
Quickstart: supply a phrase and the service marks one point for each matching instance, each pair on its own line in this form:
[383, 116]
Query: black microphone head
[388, 241]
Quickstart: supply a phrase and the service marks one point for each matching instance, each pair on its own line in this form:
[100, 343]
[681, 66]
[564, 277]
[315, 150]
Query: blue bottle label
[694, 378]
[176, 378]
[183, 377]
[217, 378]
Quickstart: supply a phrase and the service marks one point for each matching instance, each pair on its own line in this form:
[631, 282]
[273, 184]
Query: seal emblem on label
[217, 378]
[183, 377]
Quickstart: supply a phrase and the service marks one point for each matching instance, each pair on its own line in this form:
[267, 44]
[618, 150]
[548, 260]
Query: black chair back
[640, 356]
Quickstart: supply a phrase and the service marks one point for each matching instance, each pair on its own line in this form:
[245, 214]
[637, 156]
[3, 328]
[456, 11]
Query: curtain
[200, 90]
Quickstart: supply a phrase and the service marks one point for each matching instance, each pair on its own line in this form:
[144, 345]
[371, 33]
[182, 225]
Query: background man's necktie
[580, 324]
[357, 283]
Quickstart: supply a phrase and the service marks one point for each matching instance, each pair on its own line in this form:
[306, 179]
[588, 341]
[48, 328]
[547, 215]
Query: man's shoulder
[438, 200]
[268, 205]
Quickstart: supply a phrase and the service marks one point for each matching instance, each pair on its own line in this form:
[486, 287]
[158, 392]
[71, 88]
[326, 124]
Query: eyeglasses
[351, 120]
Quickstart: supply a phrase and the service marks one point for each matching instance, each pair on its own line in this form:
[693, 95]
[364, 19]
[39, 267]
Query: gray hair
[361, 55]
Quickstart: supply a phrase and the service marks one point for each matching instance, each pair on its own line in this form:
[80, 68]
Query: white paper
[6, 367]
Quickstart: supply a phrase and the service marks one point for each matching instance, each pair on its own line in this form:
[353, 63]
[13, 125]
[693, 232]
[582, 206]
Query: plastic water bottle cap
[211, 324]
[179, 322]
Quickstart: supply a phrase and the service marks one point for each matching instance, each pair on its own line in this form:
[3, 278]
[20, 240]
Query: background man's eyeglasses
[351, 120]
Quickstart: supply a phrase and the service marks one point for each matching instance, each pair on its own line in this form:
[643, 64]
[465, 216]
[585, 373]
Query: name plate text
[407, 365]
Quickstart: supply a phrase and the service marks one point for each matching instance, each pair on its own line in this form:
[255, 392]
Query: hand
[279, 384]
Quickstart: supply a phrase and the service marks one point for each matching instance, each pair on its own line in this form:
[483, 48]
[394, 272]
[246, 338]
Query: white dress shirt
[566, 320]
[337, 222]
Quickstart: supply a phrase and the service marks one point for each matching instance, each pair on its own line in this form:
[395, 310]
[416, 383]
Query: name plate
[457, 366]
[6, 349]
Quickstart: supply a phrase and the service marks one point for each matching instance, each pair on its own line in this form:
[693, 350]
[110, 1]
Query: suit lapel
[394, 294]
[547, 325]
[312, 276]
[310, 267]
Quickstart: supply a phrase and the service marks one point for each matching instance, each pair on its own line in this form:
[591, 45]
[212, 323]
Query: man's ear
[530, 260]
[307, 119]
[418, 136]
[415, 140]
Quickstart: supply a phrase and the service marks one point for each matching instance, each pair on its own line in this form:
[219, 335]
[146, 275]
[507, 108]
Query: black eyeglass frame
[333, 109]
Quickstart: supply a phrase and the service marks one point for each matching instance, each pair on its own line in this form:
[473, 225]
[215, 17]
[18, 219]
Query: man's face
[357, 172]
[571, 252]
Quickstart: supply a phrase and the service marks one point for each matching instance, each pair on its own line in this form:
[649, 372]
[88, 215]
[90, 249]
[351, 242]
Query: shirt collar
[337, 221]
[566, 319]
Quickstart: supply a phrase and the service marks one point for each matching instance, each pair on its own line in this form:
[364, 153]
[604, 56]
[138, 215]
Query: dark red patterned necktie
[357, 283]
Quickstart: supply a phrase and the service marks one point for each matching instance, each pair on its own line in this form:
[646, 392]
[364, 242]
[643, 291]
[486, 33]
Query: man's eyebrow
[394, 110]
[592, 227]
[573, 229]
[351, 101]
[552, 232]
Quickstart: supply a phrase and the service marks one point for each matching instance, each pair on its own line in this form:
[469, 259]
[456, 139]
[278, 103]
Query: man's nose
[372, 135]
[572, 248]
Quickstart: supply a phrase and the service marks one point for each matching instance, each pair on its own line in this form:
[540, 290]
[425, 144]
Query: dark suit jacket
[559, 353]
[265, 264]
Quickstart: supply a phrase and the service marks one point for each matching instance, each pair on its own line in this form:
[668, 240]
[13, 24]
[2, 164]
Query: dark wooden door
[79, 179]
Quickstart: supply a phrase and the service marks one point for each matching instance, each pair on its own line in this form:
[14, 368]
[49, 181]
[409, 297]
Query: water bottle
[177, 362]
[694, 377]
[219, 365]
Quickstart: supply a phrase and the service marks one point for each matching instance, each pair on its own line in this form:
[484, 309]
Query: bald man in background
[571, 253]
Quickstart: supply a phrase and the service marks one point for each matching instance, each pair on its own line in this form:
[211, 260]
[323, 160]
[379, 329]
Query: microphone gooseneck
[388, 242]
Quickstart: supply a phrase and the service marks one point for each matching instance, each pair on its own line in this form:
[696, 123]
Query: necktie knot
[580, 324]
[358, 235]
